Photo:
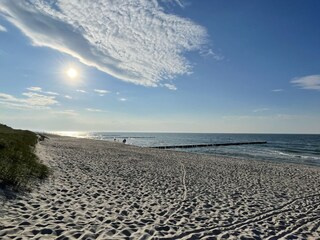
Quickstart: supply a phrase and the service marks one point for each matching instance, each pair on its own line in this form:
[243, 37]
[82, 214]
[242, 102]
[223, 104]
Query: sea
[290, 148]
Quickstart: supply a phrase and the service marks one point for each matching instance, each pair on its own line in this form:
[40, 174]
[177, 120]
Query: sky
[160, 65]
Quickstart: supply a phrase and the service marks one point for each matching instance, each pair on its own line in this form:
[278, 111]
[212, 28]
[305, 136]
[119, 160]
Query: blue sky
[173, 66]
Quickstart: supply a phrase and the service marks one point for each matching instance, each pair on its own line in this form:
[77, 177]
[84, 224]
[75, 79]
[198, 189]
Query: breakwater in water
[209, 145]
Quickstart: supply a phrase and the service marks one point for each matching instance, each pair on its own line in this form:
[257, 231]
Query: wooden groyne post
[209, 145]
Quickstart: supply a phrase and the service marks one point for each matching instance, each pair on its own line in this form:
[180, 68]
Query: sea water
[293, 148]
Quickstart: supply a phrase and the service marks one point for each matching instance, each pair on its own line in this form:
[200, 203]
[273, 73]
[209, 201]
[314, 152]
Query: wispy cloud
[94, 110]
[36, 99]
[70, 113]
[123, 99]
[39, 89]
[208, 52]
[311, 82]
[101, 92]
[252, 118]
[179, 2]
[2, 29]
[277, 90]
[134, 40]
[82, 91]
[170, 86]
[260, 110]
[52, 93]
[68, 97]
[31, 100]
[35, 89]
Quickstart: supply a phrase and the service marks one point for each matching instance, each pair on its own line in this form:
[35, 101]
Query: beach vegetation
[19, 165]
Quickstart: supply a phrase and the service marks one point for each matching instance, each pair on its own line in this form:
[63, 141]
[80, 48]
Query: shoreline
[109, 190]
[272, 152]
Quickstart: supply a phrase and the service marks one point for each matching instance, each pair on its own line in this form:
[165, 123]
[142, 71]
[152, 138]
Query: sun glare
[72, 73]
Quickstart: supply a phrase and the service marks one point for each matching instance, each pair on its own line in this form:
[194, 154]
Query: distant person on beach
[114, 139]
[124, 141]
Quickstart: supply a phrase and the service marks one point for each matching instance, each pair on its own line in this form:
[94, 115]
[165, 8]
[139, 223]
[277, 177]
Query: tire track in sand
[185, 191]
[215, 230]
[301, 222]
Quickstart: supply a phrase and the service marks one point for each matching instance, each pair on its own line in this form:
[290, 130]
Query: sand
[107, 190]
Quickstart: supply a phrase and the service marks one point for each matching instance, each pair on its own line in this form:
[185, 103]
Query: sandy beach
[107, 190]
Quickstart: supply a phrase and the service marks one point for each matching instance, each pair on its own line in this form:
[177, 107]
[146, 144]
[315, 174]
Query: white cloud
[82, 91]
[39, 89]
[68, 97]
[70, 113]
[101, 92]
[32, 100]
[52, 93]
[311, 82]
[133, 40]
[277, 90]
[36, 99]
[123, 99]
[94, 110]
[35, 89]
[170, 86]
[2, 29]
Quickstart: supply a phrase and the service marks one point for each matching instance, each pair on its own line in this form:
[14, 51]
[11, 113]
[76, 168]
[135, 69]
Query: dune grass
[18, 163]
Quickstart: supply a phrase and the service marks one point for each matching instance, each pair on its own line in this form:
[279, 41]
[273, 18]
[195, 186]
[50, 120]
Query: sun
[72, 73]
